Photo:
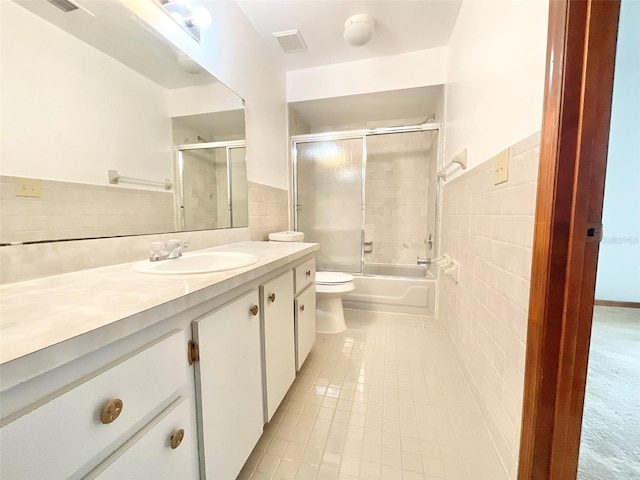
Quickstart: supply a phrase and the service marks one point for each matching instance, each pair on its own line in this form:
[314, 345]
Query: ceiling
[367, 109]
[401, 26]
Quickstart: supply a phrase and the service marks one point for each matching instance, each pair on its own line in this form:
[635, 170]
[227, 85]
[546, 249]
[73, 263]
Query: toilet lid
[333, 277]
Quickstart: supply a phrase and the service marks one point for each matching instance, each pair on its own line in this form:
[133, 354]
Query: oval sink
[205, 262]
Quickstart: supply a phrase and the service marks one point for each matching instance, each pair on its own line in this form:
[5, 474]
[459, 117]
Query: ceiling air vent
[65, 5]
[291, 41]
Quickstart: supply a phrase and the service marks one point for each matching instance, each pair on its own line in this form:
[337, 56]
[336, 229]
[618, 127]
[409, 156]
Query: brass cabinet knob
[302, 308]
[176, 438]
[308, 273]
[111, 410]
[272, 297]
[254, 310]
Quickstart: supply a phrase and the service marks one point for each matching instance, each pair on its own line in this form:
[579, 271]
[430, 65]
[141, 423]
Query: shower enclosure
[369, 198]
[212, 185]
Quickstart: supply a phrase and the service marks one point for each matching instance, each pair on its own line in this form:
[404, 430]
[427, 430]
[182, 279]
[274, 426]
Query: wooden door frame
[577, 109]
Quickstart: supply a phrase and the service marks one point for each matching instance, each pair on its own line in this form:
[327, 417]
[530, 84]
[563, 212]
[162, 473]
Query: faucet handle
[156, 250]
[175, 247]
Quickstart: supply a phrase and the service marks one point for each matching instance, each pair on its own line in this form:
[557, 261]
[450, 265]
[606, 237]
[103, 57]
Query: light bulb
[201, 17]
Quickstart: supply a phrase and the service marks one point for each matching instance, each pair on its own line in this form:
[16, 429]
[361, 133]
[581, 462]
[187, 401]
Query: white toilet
[330, 288]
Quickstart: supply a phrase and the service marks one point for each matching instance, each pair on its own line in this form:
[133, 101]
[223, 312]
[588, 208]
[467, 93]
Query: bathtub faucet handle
[423, 261]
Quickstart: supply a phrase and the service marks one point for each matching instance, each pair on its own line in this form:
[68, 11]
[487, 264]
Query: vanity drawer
[305, 274]
[164, 448]
[56, 436]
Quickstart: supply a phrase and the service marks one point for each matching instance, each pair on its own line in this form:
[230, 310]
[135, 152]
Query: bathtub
[409, 289]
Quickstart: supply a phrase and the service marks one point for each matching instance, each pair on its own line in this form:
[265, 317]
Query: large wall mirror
[108, 130]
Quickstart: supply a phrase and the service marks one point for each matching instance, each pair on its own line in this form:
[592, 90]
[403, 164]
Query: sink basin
[205, 262]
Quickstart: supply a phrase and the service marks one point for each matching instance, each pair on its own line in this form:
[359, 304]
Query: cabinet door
[156, 451]
[279, 340]
[305, 306]
[229, 382]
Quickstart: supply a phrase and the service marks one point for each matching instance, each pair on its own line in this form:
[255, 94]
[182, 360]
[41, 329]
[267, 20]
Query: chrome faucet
[424, 261]
[172, 249]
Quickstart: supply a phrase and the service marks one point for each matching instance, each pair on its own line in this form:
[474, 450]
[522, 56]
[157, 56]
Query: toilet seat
[333, 278]
[335, 287]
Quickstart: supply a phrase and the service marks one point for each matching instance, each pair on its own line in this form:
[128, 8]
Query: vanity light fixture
[358, 29]
[192, 20]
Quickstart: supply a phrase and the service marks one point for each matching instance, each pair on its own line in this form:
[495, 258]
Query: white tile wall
[26, 262]
[268, 210]
[488, 229]
[67, 210]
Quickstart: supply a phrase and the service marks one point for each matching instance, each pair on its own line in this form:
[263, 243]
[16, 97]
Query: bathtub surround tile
[268, 210]
[488, 229]
[400, 206]
[395, 370]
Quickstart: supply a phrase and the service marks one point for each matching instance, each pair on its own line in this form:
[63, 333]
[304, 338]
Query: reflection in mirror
[214, 179]
[211, 168]
[97, 90]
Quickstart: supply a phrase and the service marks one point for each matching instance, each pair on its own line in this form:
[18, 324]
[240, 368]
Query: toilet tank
[286, 236]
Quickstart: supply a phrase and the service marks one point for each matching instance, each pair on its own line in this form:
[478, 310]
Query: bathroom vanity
[111, 373]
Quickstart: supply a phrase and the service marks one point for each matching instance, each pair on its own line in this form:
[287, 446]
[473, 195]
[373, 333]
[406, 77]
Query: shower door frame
[363, 134]
[179, 166]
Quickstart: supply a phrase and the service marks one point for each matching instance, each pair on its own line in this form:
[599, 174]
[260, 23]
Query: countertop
[38, 314]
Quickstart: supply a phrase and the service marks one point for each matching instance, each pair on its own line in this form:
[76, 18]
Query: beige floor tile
[385, 399]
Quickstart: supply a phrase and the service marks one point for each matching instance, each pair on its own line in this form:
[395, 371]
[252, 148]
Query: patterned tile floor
[384, 400]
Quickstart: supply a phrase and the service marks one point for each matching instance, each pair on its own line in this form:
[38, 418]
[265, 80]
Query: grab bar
[460, 159]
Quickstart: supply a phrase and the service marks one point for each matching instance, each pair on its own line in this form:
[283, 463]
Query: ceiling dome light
[358, 29]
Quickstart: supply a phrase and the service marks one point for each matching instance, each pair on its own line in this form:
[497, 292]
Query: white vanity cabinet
[179, 389]
[279, 359]
[305, 324]
[75, 427]
[305, 309]
[160, 450]
[229, 384]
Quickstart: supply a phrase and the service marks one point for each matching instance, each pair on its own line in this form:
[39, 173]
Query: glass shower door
[329, 201]
[238, 181]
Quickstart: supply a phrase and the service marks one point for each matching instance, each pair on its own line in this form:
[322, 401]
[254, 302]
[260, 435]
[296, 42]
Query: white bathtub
[406, 289]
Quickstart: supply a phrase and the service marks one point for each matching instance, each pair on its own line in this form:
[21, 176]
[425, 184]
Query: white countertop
[38, 314]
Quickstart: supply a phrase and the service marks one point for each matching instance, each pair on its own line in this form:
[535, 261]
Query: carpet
[610, 442]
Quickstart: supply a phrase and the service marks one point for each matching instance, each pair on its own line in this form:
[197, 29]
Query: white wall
[494, 100]
[393, 72]
[495, 81]
[214, 97]
[61, 122]
[619, 261]
[231, 50]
